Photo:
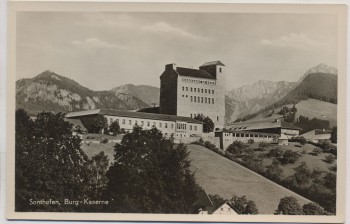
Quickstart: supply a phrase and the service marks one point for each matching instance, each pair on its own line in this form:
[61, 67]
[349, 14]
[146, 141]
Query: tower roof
[196, 73]
[212, 63]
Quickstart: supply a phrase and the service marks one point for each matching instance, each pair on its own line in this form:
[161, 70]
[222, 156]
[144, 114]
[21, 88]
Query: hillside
[49, 91]
[218, 175]
[147, 94]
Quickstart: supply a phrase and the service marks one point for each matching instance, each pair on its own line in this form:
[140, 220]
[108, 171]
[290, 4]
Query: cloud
[162, 27]
[96, 43]
[294, 40]
[106, 20]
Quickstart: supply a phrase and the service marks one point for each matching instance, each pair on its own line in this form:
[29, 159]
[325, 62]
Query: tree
[290, 157]
[208, 124]
[330, 180]
[236, 148]
[276, 152]
[316, 151]
[313, 209]
[49, 163]
[99, 165]
[302, 174]
[95, 123]
[243, 206]
[289, 206]
[329, 159]
[114, 128]
[334, 135]
[150, 174]
[274, 171]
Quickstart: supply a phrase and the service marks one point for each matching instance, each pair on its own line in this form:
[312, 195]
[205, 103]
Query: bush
[289, 157]
[312, 209]
[316, 151]
[236, 148]
[250, 141]
[104, 140]
[276, 152]
[114, 128]
[329, 159]
[299, 139]
[274, 171]
[199, 142]
[243, 206]
[209, 145]
[289, 206]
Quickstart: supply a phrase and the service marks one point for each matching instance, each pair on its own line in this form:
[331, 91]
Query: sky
[105, 50]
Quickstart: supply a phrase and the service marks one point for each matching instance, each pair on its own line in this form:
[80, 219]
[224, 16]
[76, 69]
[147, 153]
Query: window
[195, 128]
[166, 125]
[154, 124]
[201, 99]
[160, 124]
[172, 126]
[205, 90]
[186, 96]
[135, 122]
[186, 88]
[123, 121]
[198, 98]
[129, 122]
[191, 127]
[202, 90]
[183, 95]
[220, 69]
[148, 123]
[183, 88]
[212, 91]
[141, 123]
[191, 89]
[205, 100]
[212, 101]
[217, 118]
[191, 98]
[195, 99]
[191, 115]
[195, 89]
[198, 90]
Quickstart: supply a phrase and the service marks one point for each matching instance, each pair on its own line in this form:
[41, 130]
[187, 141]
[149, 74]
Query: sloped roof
[216, 208]
[196, 73]
[242, 126]
[142, 115]
[212, 63]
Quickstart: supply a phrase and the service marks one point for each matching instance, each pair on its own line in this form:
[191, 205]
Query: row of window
[199, 90]
[200, 99]
[246, 135]
[196, 81]
[194, 115]
[160, 125]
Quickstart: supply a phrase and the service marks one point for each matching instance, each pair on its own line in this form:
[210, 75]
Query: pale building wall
[229, 138]
[178, 129]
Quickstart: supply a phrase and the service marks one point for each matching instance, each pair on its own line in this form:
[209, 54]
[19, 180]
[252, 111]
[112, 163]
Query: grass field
[218, 175]
[94, 148]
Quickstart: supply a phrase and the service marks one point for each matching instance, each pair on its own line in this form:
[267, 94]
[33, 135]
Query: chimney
[170, 66]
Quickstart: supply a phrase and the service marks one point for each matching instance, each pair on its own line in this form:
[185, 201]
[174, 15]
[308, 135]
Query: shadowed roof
[212, 63]
[196, 73]
[142, 115]
[245, 126]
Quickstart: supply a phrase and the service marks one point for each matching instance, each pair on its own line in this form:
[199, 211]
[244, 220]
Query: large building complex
[189, 92]
[169, 125]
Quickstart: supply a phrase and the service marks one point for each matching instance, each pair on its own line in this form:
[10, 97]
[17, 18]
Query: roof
[262, 125]
[142, 115]
[317, 134]
[212, 63]
[76, 123]
[321, 132]
[196, 73]
[216, 208]
[247, 132]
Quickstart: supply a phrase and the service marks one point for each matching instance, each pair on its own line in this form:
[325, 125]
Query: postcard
[207, 112]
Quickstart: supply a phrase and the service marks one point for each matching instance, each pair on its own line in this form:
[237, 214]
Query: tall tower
[189, 92]
[217, 70]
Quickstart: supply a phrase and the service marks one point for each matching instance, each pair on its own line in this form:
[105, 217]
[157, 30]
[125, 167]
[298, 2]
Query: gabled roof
[196, 73]
[142, 115]
[212, 63]
[217, 207]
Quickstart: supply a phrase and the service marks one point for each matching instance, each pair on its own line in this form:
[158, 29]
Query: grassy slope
[313, 162]
[93, 148]
[218, 175]
[310, 108]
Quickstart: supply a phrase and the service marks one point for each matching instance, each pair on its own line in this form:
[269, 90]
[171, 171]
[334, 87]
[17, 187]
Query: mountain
[147, 94]
[254, 97]
[317, 83]
[49, 91]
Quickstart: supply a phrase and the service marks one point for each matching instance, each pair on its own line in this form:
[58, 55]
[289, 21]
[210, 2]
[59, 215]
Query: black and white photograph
[214, 112]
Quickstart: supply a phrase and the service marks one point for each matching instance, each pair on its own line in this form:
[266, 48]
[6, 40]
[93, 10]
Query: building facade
[227, 137]
[189, 92]
[169, 125]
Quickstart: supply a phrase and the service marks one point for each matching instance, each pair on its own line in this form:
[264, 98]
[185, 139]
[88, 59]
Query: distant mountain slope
[147, 94]
[254, 97]
[51, 92]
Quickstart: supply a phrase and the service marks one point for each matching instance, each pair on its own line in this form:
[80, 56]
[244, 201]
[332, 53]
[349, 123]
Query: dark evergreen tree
[150, 174]
[289, 206]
